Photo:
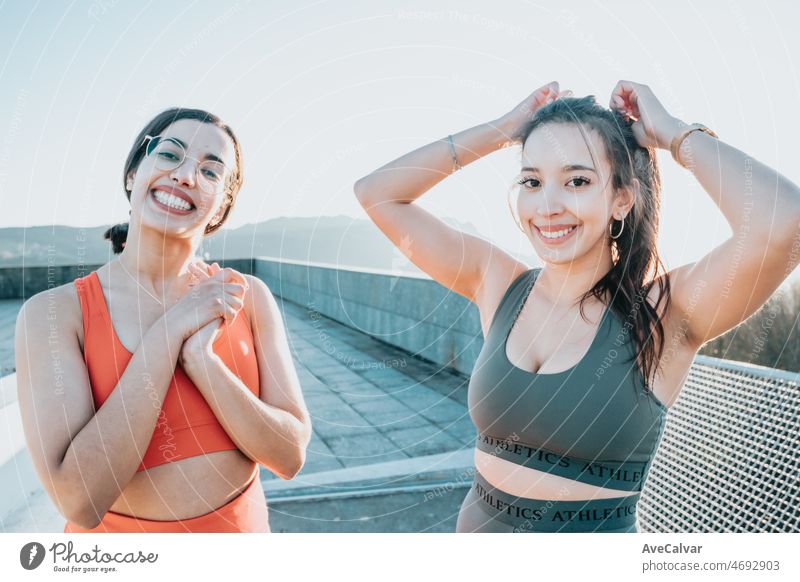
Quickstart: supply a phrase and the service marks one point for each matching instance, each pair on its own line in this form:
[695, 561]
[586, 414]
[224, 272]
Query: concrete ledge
[406, 474]
[18, 478]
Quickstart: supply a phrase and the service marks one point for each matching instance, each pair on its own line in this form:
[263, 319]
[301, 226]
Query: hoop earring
[610, 226]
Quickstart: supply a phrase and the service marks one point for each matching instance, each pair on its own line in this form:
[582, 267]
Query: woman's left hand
[653, 125]
[199, 344]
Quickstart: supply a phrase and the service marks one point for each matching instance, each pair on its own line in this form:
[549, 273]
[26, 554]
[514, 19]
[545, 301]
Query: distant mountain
[337, 240]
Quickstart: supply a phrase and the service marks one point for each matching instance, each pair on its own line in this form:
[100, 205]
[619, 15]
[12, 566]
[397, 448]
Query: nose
[185, 173]
[551, 202]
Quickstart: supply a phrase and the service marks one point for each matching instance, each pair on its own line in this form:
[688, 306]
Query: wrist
[506, 129]
[679, 142]
[197, 361]
[163, 329]
[172, 329]
[673, 129]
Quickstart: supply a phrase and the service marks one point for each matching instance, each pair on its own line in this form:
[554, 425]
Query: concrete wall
[413, 313]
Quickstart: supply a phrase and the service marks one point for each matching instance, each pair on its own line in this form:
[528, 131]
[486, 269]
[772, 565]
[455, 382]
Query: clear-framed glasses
[212, 175]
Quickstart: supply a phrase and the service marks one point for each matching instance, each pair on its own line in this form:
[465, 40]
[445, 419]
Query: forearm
[408, 177]
[268, 435]
[104, 455]
[751, 196]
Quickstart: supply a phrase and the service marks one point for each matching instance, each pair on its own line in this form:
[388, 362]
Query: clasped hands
[199, 346]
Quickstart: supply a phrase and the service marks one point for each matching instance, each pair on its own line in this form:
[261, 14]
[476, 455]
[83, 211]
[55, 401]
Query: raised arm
[453, 258]
[85, 458]
[762, 207]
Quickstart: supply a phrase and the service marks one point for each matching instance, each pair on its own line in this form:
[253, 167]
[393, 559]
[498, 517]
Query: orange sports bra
[186, 425]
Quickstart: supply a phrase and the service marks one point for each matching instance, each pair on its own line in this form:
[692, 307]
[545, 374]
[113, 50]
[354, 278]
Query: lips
[556, 241]
[169, 209]
[177, 192]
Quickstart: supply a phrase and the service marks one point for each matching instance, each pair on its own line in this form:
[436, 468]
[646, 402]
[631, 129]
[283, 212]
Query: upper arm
[452, 258]
[278, 381]
[730, 283]
[54, 392]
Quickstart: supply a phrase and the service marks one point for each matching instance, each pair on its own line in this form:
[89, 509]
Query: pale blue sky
[321, 93]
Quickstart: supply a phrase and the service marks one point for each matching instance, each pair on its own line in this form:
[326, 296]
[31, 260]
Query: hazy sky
[321, 93]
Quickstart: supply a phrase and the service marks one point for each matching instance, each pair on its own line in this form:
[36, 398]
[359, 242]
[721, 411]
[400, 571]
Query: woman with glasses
[153, 388]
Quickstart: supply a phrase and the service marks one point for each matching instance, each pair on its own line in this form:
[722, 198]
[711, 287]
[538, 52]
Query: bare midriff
[522, 481]
[187, 488]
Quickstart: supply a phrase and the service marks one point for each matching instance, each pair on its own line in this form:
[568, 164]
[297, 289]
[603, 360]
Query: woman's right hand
[515, 119]
[218, 295]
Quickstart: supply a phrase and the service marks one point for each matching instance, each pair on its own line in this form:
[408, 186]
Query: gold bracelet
[677, 141]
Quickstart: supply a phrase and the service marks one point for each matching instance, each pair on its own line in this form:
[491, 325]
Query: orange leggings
[246, 513]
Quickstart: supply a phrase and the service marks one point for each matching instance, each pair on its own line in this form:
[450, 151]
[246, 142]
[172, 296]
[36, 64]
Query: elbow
[75, 505]
[89, 521]
[361, 190]
[358, 189]
[294, 465]
[86, 518]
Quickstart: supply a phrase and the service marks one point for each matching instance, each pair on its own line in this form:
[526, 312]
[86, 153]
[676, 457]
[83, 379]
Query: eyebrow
[208, 156]
[570, 168]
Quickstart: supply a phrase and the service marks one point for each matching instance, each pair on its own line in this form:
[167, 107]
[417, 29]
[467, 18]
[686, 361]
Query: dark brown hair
[634, 253]
[117, 234]
[154, 127]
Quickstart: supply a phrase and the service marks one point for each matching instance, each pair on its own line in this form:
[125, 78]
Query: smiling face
[173, 201]
[566, 200]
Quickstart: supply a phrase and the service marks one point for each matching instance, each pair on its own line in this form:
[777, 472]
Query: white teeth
[171, 200]
[557, 234]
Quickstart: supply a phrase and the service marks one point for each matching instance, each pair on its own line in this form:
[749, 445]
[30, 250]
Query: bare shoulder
[498, 275]
[259, 303]
[57, 306]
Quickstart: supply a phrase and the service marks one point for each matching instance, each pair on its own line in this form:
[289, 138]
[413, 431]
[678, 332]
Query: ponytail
[117, 234]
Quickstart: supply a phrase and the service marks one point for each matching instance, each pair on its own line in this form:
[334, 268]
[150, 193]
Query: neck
[156, 260]
[563, 284]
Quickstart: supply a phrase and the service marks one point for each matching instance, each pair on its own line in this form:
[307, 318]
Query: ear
[628, 197]
[129, 181]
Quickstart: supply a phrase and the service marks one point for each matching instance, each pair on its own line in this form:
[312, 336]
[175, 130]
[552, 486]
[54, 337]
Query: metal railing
[729, 460]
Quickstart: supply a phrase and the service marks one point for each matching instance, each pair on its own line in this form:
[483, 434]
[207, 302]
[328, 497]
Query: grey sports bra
[593, 423]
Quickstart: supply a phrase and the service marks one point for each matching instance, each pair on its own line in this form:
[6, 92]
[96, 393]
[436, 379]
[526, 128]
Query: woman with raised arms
[583, 357]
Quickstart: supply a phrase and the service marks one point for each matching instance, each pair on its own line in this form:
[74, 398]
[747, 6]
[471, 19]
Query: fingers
[233, 305]
[625, 98]
[551, 88]
[551, 92]
[228, 275]
[235, 289]
[547, 93]
[197, 270]
[234, 300]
